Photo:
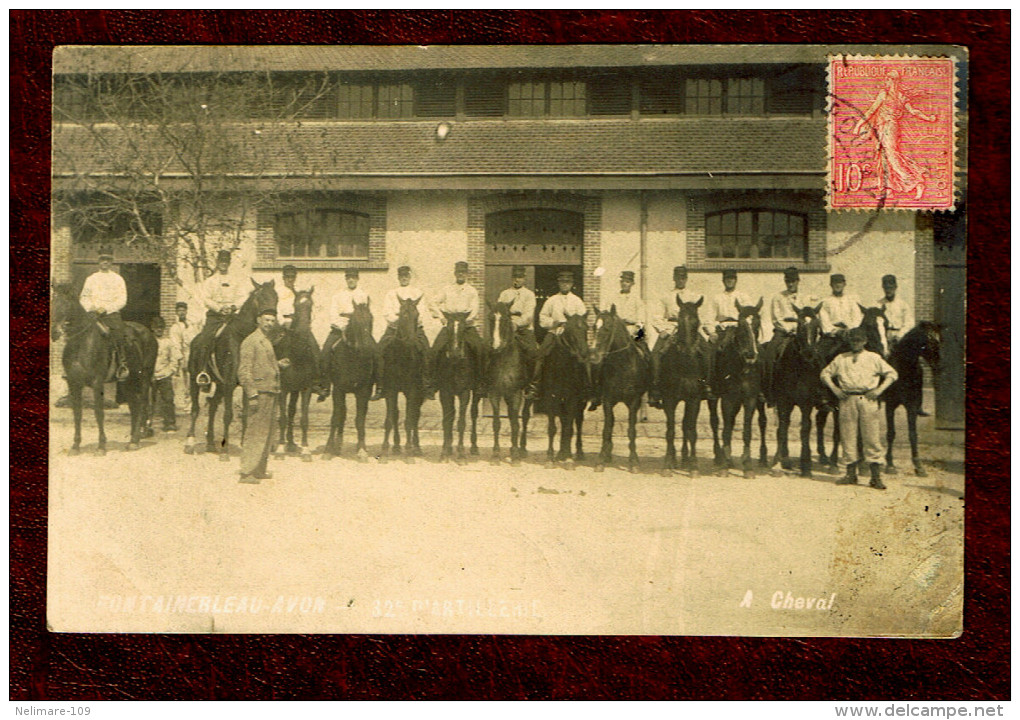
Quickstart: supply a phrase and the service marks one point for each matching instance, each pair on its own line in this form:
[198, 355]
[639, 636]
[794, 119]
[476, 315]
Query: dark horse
[297, 344]
[565, 387]
[508, 376]
[683, 377]
[223, 359]
[402, 370]
[924, 341]
[798, 384]
[455, 373]
[625, 378]
[351, 370]
[88, 356]
[739, 388]
[874, 323]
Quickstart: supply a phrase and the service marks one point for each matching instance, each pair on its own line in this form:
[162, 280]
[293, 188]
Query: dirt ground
[158, 540]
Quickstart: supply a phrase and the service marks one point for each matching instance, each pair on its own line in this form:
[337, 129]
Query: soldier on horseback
[723, 314]
[391, 311]
[898, 315]
[784, 328]
[103, 296]
[840, 313]
[285, 308]
[340, 310]
[457, 298]
[521, 301]
[631, 310]
[223, 295]
[553, 318]
[665, 324]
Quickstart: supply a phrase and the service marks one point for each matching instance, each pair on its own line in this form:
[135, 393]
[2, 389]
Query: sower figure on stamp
[553, 318]
[723, 315]
[460, 297]
[898, 315]
[223, 295]
[340, 310]
[168, 363]
[665, 321]
[391, 312]
[840, 312]
[104, 295]
[631, 310]
[784, 328]
[858, 378]
[258, 371]
[522, 311]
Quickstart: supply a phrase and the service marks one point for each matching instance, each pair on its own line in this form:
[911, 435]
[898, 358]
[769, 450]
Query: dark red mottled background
[61, 666]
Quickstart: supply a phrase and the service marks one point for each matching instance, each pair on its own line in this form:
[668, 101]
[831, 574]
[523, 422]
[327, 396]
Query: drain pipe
[643, 233]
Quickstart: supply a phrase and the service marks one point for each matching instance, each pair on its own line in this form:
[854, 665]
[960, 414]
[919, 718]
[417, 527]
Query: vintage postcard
[595, 339]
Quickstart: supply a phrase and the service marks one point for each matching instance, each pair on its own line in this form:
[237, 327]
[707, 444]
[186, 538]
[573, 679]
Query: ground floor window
[322, 233]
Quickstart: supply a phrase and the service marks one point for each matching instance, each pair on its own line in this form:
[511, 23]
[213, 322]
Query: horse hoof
[496, 460]
[133, 446]
[666, 472]
[890, 469]
[474, 451]
[919, 471]
[568, 464]
[224, 457]
[632, 469]
[148, 433]
[515, 462]
[74, 451]
[327, 456]
[748, 474]
[580, 456]
[306, 457]
[362, 456]
[293, 448]
[599, 467]
[396, 450]
[410, 460]
[189, 449]
[417, 452]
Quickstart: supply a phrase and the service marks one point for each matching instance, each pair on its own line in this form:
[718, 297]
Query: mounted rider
[104, 295]
[391, 312]
[784, 327]
[840, 312]
[898, 314]
[286, 297]
[341, 308]
[553, 318]
[521, 301]
[631, 310]
[223, 294]
[723, 315]
[460, 297]
[665, 321]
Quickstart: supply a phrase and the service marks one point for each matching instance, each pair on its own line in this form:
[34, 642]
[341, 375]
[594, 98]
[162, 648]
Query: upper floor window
[556, 98]
[435, 99]
[356, 101]
[322, 233]
[396, 101]
[732, 96]
[661, 94]
[756, 234]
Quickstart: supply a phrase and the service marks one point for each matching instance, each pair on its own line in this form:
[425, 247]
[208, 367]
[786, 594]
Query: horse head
[262, 297]
[359, 328]
[924, 341]
[65, 309]
[809, 330]
[610, 334]
[875, 324]
[456, 322]
[500, 325]
[748, 330]
[575, 337]
[407, 318]
[303, 308]
[687, 322]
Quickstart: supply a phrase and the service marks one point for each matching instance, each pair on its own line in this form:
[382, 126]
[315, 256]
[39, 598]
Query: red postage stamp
[892, 132]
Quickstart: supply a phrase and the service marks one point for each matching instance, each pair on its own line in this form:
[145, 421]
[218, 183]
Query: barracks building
[592, 158]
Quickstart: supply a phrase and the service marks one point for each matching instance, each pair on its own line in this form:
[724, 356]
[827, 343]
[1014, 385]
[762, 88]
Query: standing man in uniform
[631, 310]
[340, 310]
[223, 295]
[104, 295]
[456, 298]
[840, 313]
[858, 378]
[181, 334]
[723, 315]
[168, 361]
[664, 323]
[391, 313]
[553, 317]
[784, 328]
[258, 371]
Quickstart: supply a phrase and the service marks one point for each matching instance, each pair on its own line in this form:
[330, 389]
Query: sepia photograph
[508, 339]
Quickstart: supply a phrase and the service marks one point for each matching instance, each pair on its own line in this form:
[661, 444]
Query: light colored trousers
[859, 412]
[259, 435]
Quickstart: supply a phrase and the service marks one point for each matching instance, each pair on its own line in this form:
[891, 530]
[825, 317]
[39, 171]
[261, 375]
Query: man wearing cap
[858, 378]
[898, 315]
[285, 296]
[553, 317]
[521, 301]
[784, 327]
[181, 334]
[340, 310]
[723, 314]
[258, 371]
[104, 294]
[664, 323]
[840, 312]
[223, 295]
[631, 310]
[391, 312]
[457, 298]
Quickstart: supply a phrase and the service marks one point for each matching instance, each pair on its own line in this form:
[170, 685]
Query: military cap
[889, 280]
[351, 272]
[857, 333]
[105, 255]
[837, 278]
[158, 322]
[679, 271]
[223, 256]
[460, 265]
[181, 304]
[404, 270]
[565, 275]
[520, 271]
[268, 311]
[729, 273]
[627, 275]
[289, 270]
[791, 273]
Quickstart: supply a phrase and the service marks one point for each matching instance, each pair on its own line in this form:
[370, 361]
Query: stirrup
[203, 379]
[123, 372]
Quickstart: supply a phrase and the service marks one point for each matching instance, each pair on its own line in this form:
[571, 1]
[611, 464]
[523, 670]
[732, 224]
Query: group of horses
[611, 368]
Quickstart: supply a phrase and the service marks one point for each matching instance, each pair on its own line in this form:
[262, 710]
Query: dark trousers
[770, 355]
[474, 343]
[422, 344]
[202, 344]
[115, 324]
[163, 401]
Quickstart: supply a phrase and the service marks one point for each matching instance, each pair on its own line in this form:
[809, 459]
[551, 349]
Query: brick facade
[924, 268]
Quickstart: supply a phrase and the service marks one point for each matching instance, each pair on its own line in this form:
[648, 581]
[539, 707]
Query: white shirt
[859, 373]
[168, 358]
[783, 308]
[558, 308]
[181, 334]
[285, 301]
[221, 291]
[630, 309]
[844, 309]
[899, 315]
[342, 306]
[391, 303]
[457, 298]
[523, 300]
[104, 291]
[723, 309]
[665, 320]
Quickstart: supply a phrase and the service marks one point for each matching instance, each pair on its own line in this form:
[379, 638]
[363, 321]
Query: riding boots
[851, 475]
[876, 477]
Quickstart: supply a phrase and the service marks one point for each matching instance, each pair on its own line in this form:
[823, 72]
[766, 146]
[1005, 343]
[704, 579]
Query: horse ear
[418, 300]
[758, 306]
[863, 309]
[698, 304]
[596, 309]
[311, 290]
[739, 306]
[818, 308]
[489, 304]
[254, 283]
[612, 309]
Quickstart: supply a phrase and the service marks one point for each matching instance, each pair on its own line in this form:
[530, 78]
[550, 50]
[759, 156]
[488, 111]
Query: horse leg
[782, 456]
[821, 418]
[494, 403]
[74, 393]
[388, 425]
[525, 417]
[228, 417]
[890, 435]
[608, 420]
[745, 457]
[306, 399]
[413, 412]
[805, 440]
[763, 420]
[513, 408]
[446, 399]
[919, 470]
[292, 405]
[729, 419]
[836, 438]
[669, 462]
[99, 408]
[635, 405]
[475, 399]
[396, 422]
[566, 435]
[462, 413]
[692, 408]
[281, 422]
[551, 452]
[713, 421]
[189, 442]
[578, 435]
[361, 413]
